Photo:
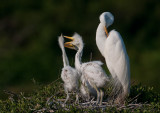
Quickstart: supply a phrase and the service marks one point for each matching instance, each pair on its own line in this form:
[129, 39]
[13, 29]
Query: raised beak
[69, 44]
[105, 28]
[71, 38]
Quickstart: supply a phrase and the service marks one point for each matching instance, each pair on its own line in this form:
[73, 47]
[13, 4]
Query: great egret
[69, 74]
[92, 72]
[112, 48]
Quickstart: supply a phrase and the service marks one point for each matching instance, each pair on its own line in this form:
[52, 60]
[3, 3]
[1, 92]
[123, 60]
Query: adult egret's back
[112, 48]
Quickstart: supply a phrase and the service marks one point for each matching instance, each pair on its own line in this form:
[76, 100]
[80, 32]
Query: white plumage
[69, 74]
[92, 73]
[113, 50]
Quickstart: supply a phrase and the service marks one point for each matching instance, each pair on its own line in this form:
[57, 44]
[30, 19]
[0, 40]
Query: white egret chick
[69, 74]
[91, 72]
[112, 48]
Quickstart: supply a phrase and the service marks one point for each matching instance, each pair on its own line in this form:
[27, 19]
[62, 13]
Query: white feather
[69, 74]
[115, 54]
[92, 73]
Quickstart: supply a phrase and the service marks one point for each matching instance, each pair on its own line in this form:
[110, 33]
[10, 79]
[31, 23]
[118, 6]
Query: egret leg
[98, 93]
[102, 94]
[67, 96]
[98, 96]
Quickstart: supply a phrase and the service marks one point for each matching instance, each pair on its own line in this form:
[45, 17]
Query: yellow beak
[105, 28]
[71, 38]
[69, 44]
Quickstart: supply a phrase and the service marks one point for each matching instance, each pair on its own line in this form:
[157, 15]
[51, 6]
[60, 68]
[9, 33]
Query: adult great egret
[69, 74]
[112, 48]
[92, 72]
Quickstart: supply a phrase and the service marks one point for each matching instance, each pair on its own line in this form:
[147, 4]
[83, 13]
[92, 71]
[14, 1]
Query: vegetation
[49, 98]
[29, 30]
[29, 49]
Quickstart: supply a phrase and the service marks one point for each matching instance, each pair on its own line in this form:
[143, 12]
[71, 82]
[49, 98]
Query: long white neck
[64, 55]
[78, 56]
[65, 58]
[100, 38]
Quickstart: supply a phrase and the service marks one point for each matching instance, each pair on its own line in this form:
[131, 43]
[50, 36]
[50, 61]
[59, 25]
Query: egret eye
[76, 48]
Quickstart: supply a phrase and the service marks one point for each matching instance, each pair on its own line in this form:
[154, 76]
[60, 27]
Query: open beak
[71, 38]
[105, 28]
[69, 44]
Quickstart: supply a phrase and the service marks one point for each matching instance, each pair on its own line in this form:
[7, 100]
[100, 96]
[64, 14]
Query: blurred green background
[29, 29]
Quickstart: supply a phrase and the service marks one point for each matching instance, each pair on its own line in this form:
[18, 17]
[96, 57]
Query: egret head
[76, 42]
[106, 18]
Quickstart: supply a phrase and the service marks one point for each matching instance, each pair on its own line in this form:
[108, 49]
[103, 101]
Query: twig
[11, 94]
[134, 98]
[55, 81]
